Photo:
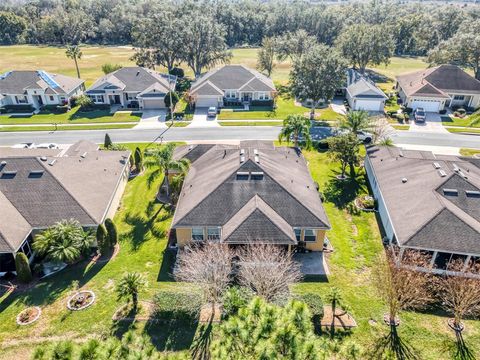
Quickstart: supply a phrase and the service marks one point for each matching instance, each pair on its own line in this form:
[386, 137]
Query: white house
[38, 88]
[232, 85]
[132, 87]
[439, 87]
[363, 94]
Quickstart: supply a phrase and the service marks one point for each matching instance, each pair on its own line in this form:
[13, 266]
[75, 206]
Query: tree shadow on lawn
[200, 348]
[172, 335]
[166, 269]
[48, 290]
[460, 349]
[343, 192]
[141, 226]
[393, 345]
[377, 77]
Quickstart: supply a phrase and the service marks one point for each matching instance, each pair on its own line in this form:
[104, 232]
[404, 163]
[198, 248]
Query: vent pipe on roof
[404, 180]
[3, 163]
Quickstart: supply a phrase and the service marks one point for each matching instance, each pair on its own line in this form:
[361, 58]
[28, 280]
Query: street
[221, 133]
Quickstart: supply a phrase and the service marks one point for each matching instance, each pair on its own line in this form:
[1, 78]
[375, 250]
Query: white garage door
[206, 102]
[368, 105]
[427, 105]
[153, 104]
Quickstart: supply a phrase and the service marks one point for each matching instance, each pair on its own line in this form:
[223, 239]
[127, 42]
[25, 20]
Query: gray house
[38, 88]
[232, 85]
[427, 202]
[362, 93]
[39, 187]
[132, 87]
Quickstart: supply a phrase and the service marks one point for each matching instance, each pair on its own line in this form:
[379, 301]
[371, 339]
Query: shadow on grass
[48, 290]
[120, 327]
[200, 349]
[459, 349]
[141, 226]
[315, 279]
[166, 269]
[343, 192]
[173, 335]
[393, 345]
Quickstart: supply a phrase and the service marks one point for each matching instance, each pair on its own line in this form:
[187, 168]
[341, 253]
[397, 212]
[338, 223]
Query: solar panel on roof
[5, 75]
[45, 77]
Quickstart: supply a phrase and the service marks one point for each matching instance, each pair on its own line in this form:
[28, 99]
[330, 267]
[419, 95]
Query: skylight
[450, 192]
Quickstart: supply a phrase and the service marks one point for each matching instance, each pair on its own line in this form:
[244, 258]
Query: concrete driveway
[432, 124]
[312, 263]
[152, 119]
[200, 119]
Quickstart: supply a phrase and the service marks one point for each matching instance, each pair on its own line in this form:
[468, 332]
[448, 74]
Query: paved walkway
[432, 124]
[200, 119]
[312, 263]
[152, 119]
[338, 107]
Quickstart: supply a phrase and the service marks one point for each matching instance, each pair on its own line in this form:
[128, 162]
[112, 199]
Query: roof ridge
[66, 190]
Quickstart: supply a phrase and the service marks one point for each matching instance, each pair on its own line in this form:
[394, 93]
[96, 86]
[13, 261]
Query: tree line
[414, 28]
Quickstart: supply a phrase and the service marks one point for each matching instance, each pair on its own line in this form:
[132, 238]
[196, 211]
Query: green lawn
[456, 121]
[68, 128]
[463, 130]
[250, 123]
[469, 152]
[401, 127]
[74, 116]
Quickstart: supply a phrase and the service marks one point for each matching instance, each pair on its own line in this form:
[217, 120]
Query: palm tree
[162, 158]
[74, 52]
[129, 286]
[334, 297]
[296, 126]
[63, 242]
[355, 121]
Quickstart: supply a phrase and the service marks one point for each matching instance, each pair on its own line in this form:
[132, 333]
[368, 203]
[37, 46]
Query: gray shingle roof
[213, 196]
[361, 87]
[132, 79]
[232, 77]
[16, 82]
[422, 214]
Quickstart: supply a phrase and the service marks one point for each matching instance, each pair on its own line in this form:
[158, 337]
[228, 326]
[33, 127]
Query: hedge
[22, 266]
[177, 305]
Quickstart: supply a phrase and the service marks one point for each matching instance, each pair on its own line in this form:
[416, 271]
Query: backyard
[143, 225]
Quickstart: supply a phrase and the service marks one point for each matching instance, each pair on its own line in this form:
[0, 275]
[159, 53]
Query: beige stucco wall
[184, 236]
[318, 244]
[117, 196]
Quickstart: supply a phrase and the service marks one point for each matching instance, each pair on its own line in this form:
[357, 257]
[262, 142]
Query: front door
[39, 100]
[246, 97]
[115, 99]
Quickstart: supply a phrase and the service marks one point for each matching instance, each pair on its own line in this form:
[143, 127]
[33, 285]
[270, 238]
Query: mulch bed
[29, 315]
[341, 319]
[81, 300]
[459, 328]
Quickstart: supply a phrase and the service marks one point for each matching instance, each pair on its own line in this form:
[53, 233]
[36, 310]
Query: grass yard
[250, 123]
[65, 127]
[463, 130]
[456, 121]
[469, 152]
[401, 127]
[74, 116]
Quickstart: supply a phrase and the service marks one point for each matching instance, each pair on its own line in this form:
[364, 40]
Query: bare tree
[267, 270]
[400, 284]
[460, 294]
[382, 131]
[208, 265]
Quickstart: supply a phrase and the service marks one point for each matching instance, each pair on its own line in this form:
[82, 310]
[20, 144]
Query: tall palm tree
[129, 287]
[356, 120]
[334, 297]
[296, 126]
[63, 242]
[162, 158]
[74, 52]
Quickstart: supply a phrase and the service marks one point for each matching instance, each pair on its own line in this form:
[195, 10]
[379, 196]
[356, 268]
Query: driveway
[432, 124]
[200, 119]
[152, 119]
[338, 106]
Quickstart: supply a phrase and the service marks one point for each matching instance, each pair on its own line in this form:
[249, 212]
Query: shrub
[112, 232]
[178, 72]
[183, 85]
[22, 266]
[107, 143]
[177, 305]
[109, 68]
[138, 159]
[234, 299]
[175, 99]
[261, 102]
[314, 302]
[443, 112]
[102, 238]
[84, 102]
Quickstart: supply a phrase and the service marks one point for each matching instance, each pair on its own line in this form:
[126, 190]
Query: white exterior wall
[382, 209]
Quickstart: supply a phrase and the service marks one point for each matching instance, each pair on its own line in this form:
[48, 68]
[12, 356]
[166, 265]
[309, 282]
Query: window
[213, 233]
[459, 97]
[26, 249]
[21, 99]
[298, 234]
[256, 176]
[309, 235]
[242, 175]
[263, 96]
[51, 98]
[96, 98]
[230, 94]
[197, 233]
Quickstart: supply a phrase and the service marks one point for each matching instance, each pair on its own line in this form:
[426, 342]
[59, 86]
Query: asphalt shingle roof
[16, 82]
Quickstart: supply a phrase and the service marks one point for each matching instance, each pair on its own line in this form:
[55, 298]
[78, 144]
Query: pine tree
[112, 232]
[102, 238]
[107, 144]
[138, 159]
[22, 266]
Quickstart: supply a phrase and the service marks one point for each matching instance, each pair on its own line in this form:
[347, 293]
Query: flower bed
[81, 300]
[365, 203]
[29, 315]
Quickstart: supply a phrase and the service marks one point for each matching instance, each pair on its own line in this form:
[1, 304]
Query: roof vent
[190, 147]
[35, 173]
[462, 174]
[256, 175]
[456, 168]
[404, 180]
[451, 192]
[257, 159]
[51, 163]
[9, 174]
[255, 151]
[84, 155]
[442, 173]
[43, 158]
[242, 151]
[242, 159]
[436, 165]
[3, 163]
[242, 175]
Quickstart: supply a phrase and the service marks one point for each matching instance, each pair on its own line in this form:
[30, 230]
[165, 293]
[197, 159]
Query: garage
[150, 104]
[204, 101]
[427, 105]
[368, 105]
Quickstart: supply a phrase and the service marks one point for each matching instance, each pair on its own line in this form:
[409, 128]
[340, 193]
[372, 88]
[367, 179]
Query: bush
[261, 103]
[178, 72]
[314, 302]
[175, 99]
[112, 233]
[22, 267]
[183, 85]
[102, 238]
[138, 159]
[234, 299]
[177, 305]
[107, 143]
[7, 109]
[84, 102]
[109, 68]
[442, 112]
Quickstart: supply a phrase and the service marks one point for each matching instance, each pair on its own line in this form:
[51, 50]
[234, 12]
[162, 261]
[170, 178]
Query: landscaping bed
[29, 315]
[81, 300]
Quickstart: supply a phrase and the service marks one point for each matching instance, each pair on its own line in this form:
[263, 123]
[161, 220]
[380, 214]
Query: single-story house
[362, 93]
[232, 85]
[132, 87]
[38, 88]
[439, 87]
[39, 187]
[428, 203]
[252, 193]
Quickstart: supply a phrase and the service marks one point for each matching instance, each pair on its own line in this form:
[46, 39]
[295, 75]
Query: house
[132, 87]
[232, 85]
[362, 93]
[427, 202]
[252, 193]
[439, 87]
[39, 187]
[38, 88]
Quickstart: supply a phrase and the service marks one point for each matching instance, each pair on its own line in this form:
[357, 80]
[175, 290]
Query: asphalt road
[217, 134]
